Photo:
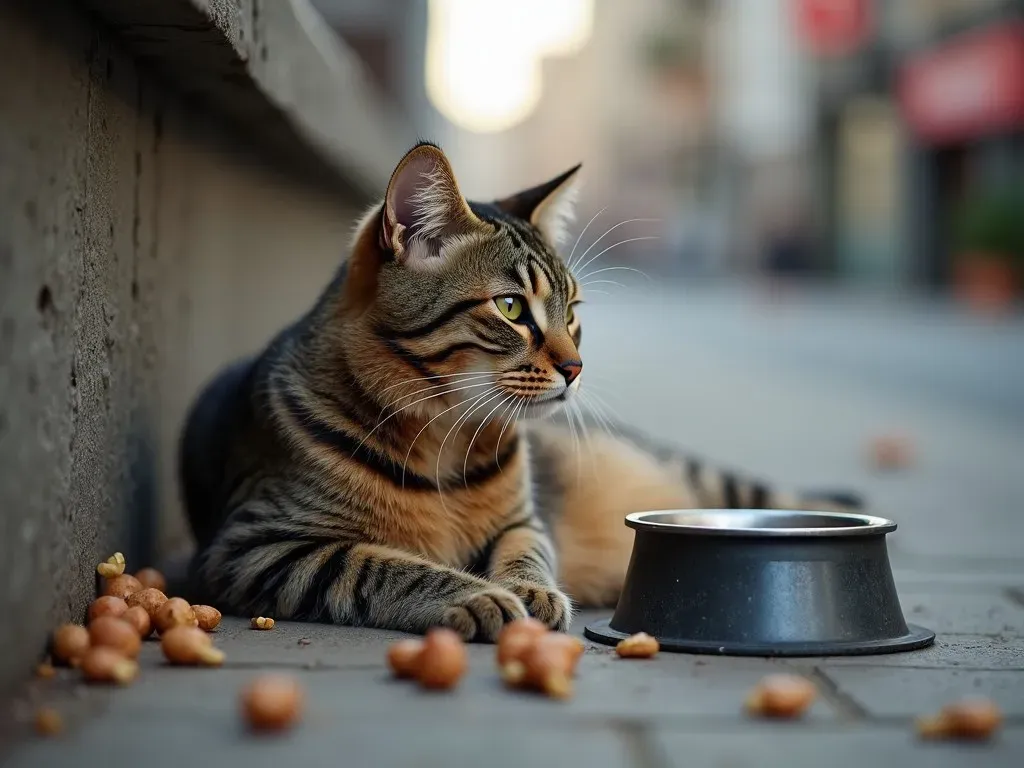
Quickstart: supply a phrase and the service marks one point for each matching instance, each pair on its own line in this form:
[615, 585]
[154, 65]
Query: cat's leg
[257, 569]
[522, 558]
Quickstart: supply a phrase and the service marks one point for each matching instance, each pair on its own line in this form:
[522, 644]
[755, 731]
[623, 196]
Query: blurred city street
[762, 386]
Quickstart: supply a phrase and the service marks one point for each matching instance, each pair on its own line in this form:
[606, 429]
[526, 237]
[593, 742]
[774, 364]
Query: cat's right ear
[422, 207]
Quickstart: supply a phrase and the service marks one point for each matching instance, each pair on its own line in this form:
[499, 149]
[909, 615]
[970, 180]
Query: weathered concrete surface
[275, 70]
[676, 710]
[143, 242]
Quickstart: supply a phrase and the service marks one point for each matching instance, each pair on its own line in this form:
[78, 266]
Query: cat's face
[473, 300]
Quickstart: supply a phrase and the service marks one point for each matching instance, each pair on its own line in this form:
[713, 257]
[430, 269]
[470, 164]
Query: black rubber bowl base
[915, 639]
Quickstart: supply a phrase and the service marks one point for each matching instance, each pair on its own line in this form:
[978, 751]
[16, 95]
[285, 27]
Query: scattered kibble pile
[127, 611]
[529, 657]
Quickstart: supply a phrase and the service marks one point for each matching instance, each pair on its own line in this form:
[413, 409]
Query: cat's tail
[718, 488]
[712, 486]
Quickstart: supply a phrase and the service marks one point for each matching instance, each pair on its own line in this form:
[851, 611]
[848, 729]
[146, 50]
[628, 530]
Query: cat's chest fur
[452, 525]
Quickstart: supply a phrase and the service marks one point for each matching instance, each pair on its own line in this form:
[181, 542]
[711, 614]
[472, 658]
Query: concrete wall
[143, 242]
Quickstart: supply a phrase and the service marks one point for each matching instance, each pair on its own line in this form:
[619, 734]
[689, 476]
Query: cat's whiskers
[428, 389]
[483, 422]
[438, 376]
[590, 400]
[410, 405]
[423, 429]
[580, 263]
[586, 434]
[583, 266]
[568, 262]
[614, 269]
[575, 441]
[516, 408]
[601, 282]
[478, 402]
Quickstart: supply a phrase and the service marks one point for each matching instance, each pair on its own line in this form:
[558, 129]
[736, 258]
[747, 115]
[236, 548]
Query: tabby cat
[385, 462]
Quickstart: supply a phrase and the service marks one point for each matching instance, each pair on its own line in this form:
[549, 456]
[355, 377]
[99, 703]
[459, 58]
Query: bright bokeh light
[484, 57]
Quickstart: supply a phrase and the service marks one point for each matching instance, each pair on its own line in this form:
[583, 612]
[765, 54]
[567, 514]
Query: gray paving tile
[854, 746]
[948, 652]
[669, 687]
[327, 645]
[217, 739]
[888, 692]
[979, 612]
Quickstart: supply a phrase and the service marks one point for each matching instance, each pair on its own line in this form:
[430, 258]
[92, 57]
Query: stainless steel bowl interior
[759, 522]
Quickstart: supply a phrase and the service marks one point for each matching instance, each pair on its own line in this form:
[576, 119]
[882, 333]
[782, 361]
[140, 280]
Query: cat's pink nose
[570, 369]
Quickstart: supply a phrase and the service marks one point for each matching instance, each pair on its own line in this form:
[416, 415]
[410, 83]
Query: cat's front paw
[480, 615]
[548, 605]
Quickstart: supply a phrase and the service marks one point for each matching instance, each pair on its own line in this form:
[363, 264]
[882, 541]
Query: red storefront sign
[969, 87]
[833, 27]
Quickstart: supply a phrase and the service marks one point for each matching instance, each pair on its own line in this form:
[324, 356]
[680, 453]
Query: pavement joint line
[844, 704]
[643, 750]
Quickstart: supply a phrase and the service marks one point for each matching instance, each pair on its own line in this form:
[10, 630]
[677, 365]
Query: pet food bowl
[761, 583]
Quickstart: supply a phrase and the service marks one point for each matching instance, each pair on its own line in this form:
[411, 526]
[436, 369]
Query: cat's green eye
[570, 315]
[510, 306]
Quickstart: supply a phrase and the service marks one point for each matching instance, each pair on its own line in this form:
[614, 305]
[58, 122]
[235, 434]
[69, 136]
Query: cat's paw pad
[481, 615]
[548, 605]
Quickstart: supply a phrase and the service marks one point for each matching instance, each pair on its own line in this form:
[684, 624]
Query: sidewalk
[750, 388]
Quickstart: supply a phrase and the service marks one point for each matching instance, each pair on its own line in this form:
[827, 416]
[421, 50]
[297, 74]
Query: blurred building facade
[923, 113]
[830, 137]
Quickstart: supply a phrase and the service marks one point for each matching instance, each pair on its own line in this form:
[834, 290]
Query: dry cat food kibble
[442, 662]
[106, 665]
[781, 695]
[122, 586]
[638, 646]
[272, 703]
[70, 642]
[174, 613]
[151, 599]
[114, 632]
[548, 665]
[48, 722]
[45, 671]
[207, 616]
[972, 718]
[108, 605]
[404, 657]
[892, 452]
[139, 619]
[151, 578]
[190, 646]
[516, 638]
[261, 622]
[114, 566]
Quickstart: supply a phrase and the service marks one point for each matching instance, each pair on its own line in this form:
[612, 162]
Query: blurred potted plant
[989, 240]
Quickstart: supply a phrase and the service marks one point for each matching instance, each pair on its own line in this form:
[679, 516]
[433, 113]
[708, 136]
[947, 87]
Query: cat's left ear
[550, 206]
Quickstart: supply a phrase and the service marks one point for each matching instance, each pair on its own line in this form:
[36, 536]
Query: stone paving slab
[949, 652]
[888, 692]
[394, 741]
[982, 612]
[853, 746]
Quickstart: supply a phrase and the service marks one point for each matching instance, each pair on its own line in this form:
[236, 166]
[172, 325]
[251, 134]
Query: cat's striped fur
[375, 464]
